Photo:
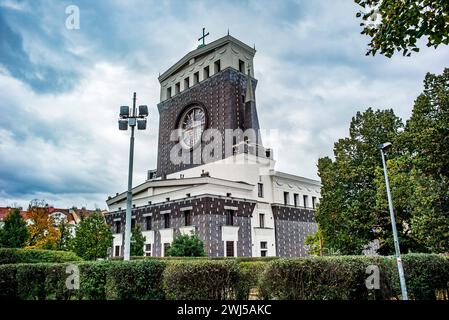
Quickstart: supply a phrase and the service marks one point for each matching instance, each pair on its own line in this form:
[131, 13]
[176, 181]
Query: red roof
[69, 213]
[4, 211]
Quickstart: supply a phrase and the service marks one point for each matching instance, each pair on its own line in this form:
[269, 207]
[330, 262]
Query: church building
[214, 177]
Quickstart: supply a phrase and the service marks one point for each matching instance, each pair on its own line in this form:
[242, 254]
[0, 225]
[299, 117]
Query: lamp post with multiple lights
[383, 147]
[131, 120]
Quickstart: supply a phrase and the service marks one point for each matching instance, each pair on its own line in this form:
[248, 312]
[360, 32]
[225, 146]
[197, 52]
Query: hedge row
[15, 255]
[301, 278]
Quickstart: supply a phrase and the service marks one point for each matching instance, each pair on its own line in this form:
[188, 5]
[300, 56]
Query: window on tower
[306, 201]
[260, 190]
[168, 93]
[148, 223]
[206, 72]
[241, 66]
[196, 78]
[286, 198]
[166, 221]
[177, 88]
[186, 83]
[187, 218]
[217, 66]
[229, 217]
[296, 199]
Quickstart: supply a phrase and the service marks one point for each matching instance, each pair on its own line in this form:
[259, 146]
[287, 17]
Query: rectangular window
[313, 202]
[148, 223]
[117, 227]
[229, 248]
[306, 201]
[206, 72]
[260, 190]
[263, 248]
[261, 220]
[166, 221]
[296, 199]
[187, 219]
[217, 66]
[133, 224]
[196, 78]
[177, 88]
[117, 251]
[148, 249]
[241, 66]
[166, 247]
[186, 83]
[229, 217]
[286, 198]
[168, 93]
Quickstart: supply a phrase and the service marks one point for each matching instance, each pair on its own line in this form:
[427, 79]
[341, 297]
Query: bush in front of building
[249, 285]
[324, 278]
[135, 280]
[16, 255]
[201, 279]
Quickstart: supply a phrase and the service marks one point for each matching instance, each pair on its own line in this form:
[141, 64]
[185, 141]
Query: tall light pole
[126, 119]
[382, 148]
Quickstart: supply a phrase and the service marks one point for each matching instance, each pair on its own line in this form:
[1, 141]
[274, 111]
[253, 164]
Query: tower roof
[202, 50]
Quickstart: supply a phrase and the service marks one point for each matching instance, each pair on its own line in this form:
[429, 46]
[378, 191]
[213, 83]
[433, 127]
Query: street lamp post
[126, 119]
[382, 148]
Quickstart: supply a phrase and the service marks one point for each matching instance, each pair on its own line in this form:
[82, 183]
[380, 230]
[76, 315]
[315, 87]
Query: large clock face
[192, 125]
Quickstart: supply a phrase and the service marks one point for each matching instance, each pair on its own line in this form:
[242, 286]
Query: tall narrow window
[117, 227]
[166, 221]
[306, 201]
[186, 83]
[261, 220]
[260, 190]
[117, 251]
[296, 199]
[241, 66]
[229, 248]
[166, 247]
[177, 88]
[133, 224]
[187, 219]
[229, 217]
[217, 66]
[263, 248]
[148, 223]
[313, 202]
[286, 198]
[206, 72]
[168, 93]
[148, 249]
[196, 78]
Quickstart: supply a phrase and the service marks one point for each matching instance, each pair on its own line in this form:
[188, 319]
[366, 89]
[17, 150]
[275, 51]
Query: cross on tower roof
[203, 38]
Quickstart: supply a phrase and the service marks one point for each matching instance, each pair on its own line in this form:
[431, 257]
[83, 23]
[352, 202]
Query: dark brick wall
[220, 96]
[292, 225]
[207, 215]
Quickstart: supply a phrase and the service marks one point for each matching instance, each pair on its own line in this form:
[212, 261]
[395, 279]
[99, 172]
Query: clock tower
[210, 88]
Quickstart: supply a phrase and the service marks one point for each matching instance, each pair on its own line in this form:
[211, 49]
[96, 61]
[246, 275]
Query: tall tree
[93, 237]
[397, 25]
[14, 233]
[43, 233]
[137, 242]
[420, 176]
[347, 212]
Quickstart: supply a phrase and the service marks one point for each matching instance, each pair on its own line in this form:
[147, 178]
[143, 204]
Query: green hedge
[15, 255]
[135, 280]
[201, 280]
[300, 278]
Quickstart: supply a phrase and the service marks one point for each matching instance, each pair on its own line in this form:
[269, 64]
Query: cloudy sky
[60, 89]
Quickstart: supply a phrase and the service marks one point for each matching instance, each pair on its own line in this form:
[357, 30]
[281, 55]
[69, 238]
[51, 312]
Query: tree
[347, 211]
[93, 237]
[137, 242]
[43, 234]
[186, 246]
[65, 235]
[14, 233]
[420, 176]
[402, 23]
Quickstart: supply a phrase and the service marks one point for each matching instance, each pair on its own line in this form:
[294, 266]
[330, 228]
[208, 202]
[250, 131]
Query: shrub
[135, 280]
[425, 273]
[250, 276]
[324, 278]
[14, 255]
[201, 279]
[31, 281]
[8, 282]
[93, 280]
